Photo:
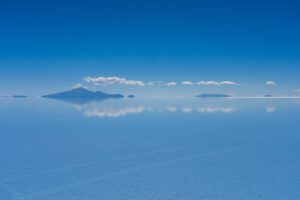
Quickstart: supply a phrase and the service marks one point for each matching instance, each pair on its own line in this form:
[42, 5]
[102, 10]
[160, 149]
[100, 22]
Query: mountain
[82, 95]
[204, 95]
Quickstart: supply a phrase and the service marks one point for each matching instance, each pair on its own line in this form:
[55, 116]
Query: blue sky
[48, 46]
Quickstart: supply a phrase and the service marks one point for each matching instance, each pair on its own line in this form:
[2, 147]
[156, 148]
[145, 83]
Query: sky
[50, 46]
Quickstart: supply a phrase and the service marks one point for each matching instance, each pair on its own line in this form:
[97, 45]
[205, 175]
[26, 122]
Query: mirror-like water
[148, 149]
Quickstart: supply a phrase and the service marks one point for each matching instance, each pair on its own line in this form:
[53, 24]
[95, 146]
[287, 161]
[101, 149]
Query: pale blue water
[159, 149]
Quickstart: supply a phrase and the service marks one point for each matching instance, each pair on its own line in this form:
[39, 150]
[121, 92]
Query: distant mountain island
[82, 95]
[205, 95]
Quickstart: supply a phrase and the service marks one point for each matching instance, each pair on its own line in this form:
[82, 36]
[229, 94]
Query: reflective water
[152, 149]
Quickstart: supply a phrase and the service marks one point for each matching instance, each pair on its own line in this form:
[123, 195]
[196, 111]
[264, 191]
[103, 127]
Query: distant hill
[82, 95]
[205, 95]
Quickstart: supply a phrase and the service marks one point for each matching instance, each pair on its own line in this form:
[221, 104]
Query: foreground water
[184, 149]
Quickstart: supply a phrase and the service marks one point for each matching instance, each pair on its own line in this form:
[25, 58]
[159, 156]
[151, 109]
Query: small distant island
[82, 95]
[268, 95]
[205, 95]
[14, 96]
[19, 96]
[131, 96]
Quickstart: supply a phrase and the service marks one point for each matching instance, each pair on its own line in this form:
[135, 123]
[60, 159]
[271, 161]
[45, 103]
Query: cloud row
[115, 80]
[112, 80]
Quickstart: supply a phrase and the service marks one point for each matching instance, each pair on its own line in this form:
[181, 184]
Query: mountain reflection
[80, 101]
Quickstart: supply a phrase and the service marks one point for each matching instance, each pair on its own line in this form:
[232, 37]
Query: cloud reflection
[113, 112]
[110, 111]
[171, 108]
[114, 109]
[215, 109]
[270, 109]
[187, 109]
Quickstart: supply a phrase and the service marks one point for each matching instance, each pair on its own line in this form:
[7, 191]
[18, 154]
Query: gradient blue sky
[47, 46]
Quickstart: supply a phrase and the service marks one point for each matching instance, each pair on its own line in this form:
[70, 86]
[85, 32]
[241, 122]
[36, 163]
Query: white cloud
[161, 83]
[187, 83]
[112, 80]
[229, 83]
[171, 84]
[270, 83]
[134, 82]
[215, 83]
[78, 85]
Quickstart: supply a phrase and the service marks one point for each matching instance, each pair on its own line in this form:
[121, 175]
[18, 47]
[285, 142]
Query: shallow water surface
[150, 149]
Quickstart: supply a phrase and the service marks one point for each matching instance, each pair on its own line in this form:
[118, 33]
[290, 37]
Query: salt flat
[165, 149]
